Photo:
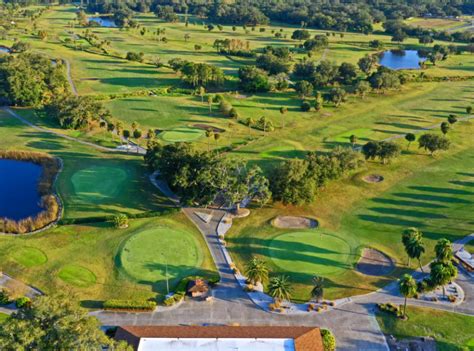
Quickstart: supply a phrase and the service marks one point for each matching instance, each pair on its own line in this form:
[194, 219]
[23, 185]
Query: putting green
[77, 276]
[310, 252]
[182, 134]
[145, 255]
[98, 184]
[29, 256]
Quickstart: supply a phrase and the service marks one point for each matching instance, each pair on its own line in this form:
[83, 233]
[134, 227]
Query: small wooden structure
[197, 288]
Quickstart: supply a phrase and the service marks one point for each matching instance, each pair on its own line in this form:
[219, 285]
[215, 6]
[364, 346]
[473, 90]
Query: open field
[440, 23]
[451, 331]
[85, 259]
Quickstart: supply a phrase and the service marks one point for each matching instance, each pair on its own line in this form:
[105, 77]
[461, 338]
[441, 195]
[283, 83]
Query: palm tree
[209, 135]
[407, 287]
[283, 110]
[202, 92]
[256, 271]
[353, 140]
[210, 99]
[279, 288]
[442, 273]
[318, 290]
[444, 250]
[413, 242]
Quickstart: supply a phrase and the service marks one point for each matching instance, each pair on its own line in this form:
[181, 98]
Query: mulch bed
[373, 178]
[374, 262]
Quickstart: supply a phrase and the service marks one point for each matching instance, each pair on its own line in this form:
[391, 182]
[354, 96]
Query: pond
[103, 21]
[4, 50]
[401, 59]
[19, 197]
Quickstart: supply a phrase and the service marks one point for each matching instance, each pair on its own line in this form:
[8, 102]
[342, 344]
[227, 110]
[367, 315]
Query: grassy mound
[182, 134]
[29, 256]
[310, 252]
[98, 184]
[77, 276]
[146, 255]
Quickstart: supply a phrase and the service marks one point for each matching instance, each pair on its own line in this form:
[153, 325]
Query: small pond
[19, 197]
[103, 21]
[401, 59]
[4, 50]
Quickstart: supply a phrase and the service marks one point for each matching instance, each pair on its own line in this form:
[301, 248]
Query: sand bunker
[293, 222]
[376, 263]
[207, 127]
[373, 178]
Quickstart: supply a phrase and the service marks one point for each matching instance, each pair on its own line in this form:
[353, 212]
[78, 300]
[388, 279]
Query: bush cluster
[177, 297]
[329, 341]
[133, 305]
[390, 308]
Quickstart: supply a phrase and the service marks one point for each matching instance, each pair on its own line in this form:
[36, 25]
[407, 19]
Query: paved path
[132, 150]
[69, 78]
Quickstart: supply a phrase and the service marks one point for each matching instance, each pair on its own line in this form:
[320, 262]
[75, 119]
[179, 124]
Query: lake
[104, 21]
[401, 59]
[4, 50]
[19, 197]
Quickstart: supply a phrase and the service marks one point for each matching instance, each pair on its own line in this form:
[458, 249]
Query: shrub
[177, 297]
[133, 305]
[23, 302]
[225, 107]
[305, 106]
[233, 113]
[390, 308]
[4, 297]
[329, 341]
[120, 221]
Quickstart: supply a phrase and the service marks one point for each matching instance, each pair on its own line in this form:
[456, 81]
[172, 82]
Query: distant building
[197, 288]
[221, 338]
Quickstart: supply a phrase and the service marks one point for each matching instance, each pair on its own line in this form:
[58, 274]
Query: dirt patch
[373, 178]
[374, 262]
[293, 222]
[240, 96]
[207, 127]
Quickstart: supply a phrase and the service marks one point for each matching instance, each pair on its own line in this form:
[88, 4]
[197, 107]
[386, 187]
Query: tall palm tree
[279, 288]
[442, 273]
[444, 250]
[256, 271]
[407, 287]
[413, 242]
[408, 236]
[318, 290]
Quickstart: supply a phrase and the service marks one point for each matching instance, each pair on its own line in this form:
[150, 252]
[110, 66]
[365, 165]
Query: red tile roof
[305, 338]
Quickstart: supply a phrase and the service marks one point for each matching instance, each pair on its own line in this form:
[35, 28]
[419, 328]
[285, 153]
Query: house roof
[304, 338]
[197, 285]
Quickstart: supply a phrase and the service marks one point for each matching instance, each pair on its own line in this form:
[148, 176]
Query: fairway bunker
[209, 127]
[294, 222]
[375, 263]
[373, 178]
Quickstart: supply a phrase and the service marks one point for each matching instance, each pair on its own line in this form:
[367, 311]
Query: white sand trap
[373, 178]
[293, 222]
[374, 262]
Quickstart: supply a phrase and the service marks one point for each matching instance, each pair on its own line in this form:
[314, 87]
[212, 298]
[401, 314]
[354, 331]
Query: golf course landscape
[163, 122]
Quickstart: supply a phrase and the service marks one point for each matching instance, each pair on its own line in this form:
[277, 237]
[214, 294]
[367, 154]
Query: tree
[337, 96]
[433, 143]
[186, 37]
[410, 137]
[256, 271]
[166, 13]
[407, 286]
[413, 243]
[210, 100]
[20, 46]
[280, 289]
[137, 133]
[317, 292]
[444, 128]
[253, 79]
[452, 119]
[120, 221]
[54, 322]
[300, 34]
[347, 73]
[442, 273]
[202, 93]
[444, 250]
[384, 150]
[469, 110]
[318, 101]
[367, 63]
[353, 140]
[126, 134]
[362, 88]
[209, 135]
[283, 111]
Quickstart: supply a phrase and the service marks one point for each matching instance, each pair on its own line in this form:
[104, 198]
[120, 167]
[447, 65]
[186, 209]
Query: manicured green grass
[451, 331]
[88, 187]
[162, 252]
[182, 134]
[3, 317]
[310, 251]
[29, 256]
[77, 275]
[469, 247]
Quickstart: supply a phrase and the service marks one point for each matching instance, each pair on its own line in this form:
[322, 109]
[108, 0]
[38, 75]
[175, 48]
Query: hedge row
[147, 214]
[134, 305]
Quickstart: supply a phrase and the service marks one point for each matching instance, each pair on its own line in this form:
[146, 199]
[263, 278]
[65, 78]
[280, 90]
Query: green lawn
[29, 256]
[3, 317]
[151, 254]
[182, 134]
[469, 247]
[451, 331]
[77, 276]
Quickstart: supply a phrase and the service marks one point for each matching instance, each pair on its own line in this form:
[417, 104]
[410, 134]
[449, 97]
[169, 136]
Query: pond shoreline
[52, 211]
